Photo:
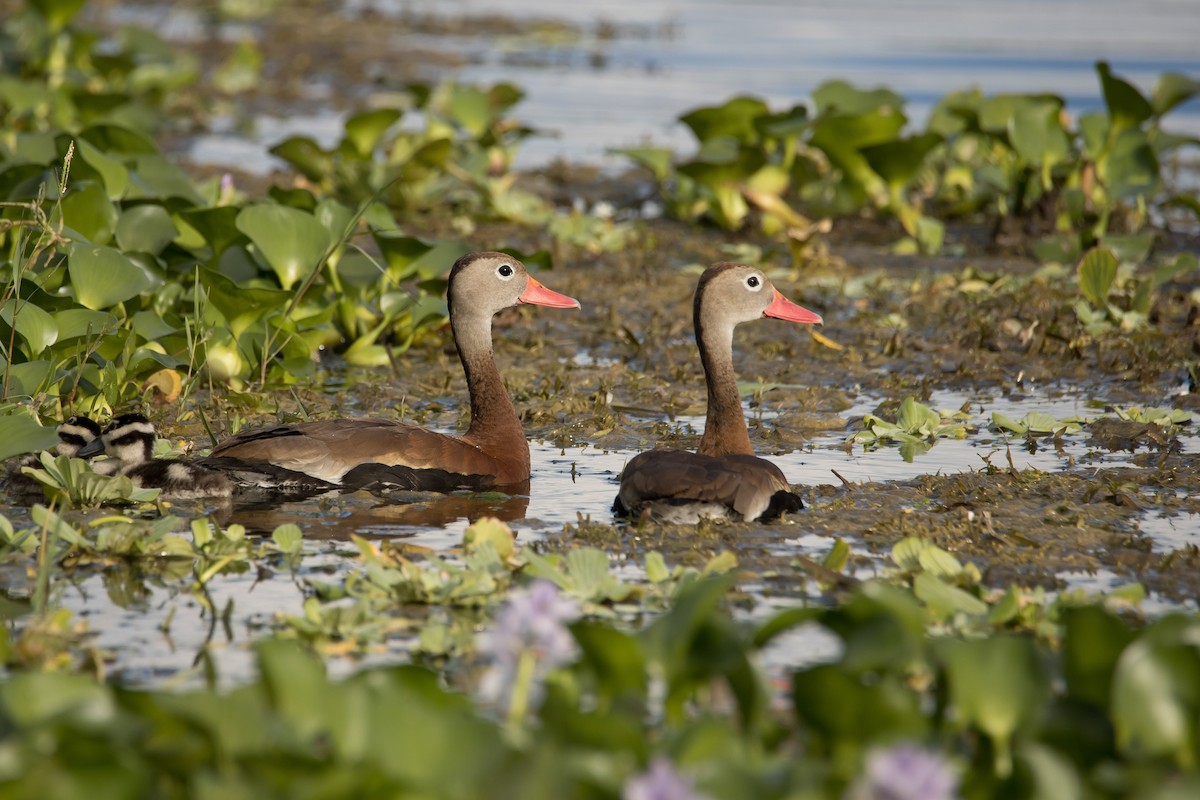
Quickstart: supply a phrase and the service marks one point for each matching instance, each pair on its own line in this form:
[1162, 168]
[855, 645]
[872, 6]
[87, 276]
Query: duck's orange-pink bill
[782, 308]
[539, 295]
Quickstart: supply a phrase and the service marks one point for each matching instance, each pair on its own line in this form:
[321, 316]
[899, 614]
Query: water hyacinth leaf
[295, 684]
[291, 241]
[111, 172]
[489, 530]
[154, 177]
[335, 217]
[845, 709]
[29, 378]
[33, 699]
[1037, 134]
[288, 537]
[917, 418]
[303, 153]
[997, 685]
[656, 159]
[945, 600]
[1172, 89]
[734, 118]
[89, 212]
[615, 659]
[1092, 643]
[36, 327]
[241, 71]
[217, 225]
[363, 131]
[102, 276]
[21, 433]
[1155, 697]
[842, 98]
[1131, 167]
[1127, 108]
[899, 161]
[145, 228]
[75, 322]
[1097, 271]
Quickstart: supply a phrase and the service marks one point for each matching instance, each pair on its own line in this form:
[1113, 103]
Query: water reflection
[369, 514]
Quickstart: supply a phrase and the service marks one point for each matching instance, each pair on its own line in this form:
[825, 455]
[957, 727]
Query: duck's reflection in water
[336, 516]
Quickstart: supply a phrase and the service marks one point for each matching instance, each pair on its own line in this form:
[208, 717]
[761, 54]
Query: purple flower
[530, 629]
[660, 782]
[905, 772]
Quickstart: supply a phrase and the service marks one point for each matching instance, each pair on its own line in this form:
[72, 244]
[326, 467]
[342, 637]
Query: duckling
[73, 434]
[129, 442]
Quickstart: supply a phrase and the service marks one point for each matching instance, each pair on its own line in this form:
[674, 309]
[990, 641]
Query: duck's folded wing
[359, 452]
[744, 483]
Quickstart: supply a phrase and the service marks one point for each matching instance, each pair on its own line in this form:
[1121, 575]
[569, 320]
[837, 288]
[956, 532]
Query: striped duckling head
[129, 439]
[75, 433]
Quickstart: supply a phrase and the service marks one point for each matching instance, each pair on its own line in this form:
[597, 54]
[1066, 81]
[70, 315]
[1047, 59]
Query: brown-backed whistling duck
[357, 453]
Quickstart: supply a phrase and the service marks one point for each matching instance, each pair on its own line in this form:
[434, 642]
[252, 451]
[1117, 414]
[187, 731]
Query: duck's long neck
[725, 426]
[495, 426]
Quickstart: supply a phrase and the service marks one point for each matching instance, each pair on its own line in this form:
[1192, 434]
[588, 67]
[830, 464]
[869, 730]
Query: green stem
[522, 688]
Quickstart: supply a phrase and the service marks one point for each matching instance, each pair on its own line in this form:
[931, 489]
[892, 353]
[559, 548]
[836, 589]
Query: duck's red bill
[782, 308]
[538, 295]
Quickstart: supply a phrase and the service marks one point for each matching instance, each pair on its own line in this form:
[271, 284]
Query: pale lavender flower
[660, 782]
[532, 624]
[905, 772]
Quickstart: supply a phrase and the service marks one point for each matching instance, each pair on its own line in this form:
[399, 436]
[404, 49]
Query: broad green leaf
[20, 433]
[489, 530]
[57, 13]
[145, 228]
[76, 322]
[102, 276]
[36, 327]
[1172, 89]
[735, 119]
[90, 212]
[844, 709]
[656, 159]
[303, 153]
[899, 161]
[111, 171]
[1155, 694]
[469, 108]
[1130, 167]
[364, 130]
[1037, 134]
[842, 98]
[998, 685]
[1127, 108]
[1093, 640]
[939, 562]
[291, 241]
[1097, 271]
[945, 600]
[288, 538]
[217, 225]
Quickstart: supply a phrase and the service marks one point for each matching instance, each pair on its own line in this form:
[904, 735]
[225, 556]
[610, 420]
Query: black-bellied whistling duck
[357, 453]
[129, 443]
[724, 477]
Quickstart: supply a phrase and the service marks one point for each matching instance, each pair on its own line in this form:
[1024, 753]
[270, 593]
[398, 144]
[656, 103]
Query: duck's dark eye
[505, 271]
[752, 281]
